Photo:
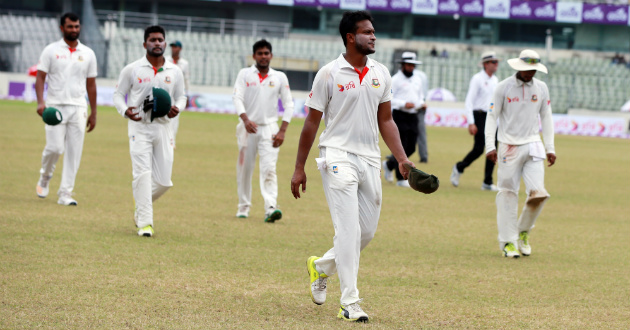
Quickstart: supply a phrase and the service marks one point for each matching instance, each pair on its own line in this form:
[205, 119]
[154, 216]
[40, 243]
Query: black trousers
[478, 148]
[408, 129]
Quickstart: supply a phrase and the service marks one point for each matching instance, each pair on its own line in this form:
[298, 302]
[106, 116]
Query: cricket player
[69, 67]
[176, 48]
[478, 101]
[150, 141]
[256, 93]
[353, 93]
[407, 101]
[518, 102]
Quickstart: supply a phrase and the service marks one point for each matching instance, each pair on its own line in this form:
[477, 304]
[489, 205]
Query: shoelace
[355, 308]
[321, 283]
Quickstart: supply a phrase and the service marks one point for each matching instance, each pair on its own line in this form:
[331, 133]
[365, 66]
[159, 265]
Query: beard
[71, 36]
[155, 51]
[364, 49]
[407, 73]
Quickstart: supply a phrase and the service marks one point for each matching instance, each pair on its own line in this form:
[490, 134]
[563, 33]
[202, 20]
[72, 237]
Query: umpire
[408, 99]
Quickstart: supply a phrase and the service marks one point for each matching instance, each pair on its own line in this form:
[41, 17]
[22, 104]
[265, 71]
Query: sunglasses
[530, 60]
[493, 62]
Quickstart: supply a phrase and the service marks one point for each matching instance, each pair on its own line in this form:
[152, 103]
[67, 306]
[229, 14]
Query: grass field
[434, 263]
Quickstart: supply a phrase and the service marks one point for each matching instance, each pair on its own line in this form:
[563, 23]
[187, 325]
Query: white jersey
[257, 96]
[185, 67]
[349, 101]
[407, 89]
[67, 70]
[137, 81]
[480, 92]
[517, 105]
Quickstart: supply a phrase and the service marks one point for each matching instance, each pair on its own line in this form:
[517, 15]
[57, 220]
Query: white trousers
[174, 128]
[354, 194]
[249, 145]
[67, 137]
[516, 162]
[151, 149]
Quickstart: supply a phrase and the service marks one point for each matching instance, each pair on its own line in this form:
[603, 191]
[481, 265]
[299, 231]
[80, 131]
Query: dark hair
[262, 44]
[71, 16]
[153, 29]
[349, 22]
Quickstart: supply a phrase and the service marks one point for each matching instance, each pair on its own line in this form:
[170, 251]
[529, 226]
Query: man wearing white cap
[478, 101]
[407, 101]
[518, 102]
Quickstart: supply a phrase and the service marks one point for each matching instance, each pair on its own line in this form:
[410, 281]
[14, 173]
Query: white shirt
[407, 90]
[480, 94]
[67, 71]
[185, 67]
[517, 105]
[350, 106]
[137, 81]
[257, 96]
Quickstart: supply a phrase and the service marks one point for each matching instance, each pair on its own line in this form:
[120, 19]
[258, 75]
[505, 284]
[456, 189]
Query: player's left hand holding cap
[421, 181]
[161, 103]
[52, 116]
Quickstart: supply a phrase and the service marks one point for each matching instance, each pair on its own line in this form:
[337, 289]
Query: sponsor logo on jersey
[61, 57]
[349, 85]
[341, 89]
[250, 84]
[133, 138]
[147, 79]
[335, 169]
[491, 107]
[375, 83]
[534, 98]
[514, 99]
[504, 160]
[139, 80]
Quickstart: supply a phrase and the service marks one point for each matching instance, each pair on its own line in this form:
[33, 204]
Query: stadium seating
[591, 83]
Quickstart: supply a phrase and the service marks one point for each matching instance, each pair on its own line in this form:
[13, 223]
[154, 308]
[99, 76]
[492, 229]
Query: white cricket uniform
[518, 106]
[480, 92]
[150, 143]
[67, 71]
[407, 89]
[257, 96]
[349, 161]
[185, 67]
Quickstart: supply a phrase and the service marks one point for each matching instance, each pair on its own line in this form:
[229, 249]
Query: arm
[311, 125]
[239, 105]
[91, 91]
[122, 88]
[547, 129]
[390, 134]
[472, 92]
[178, 95]
[491, 123]
[289, 107]
[40, 79]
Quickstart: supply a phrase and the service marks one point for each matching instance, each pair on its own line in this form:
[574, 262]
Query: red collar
[362, 73]
[72, 50]
[261, 77]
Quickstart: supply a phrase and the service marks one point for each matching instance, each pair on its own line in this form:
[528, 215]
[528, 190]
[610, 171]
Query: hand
[173, 113]
[472, 129]
[551, 158]
[40, 108]
[299, 178]
[403, 170]
[409, 105]
[250, 126]
[492, 156]
[91, 122]
[423, 107]
[278, 138]
[132, 115]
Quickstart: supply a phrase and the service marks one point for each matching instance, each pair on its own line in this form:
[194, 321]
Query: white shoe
[353, 313]
[42, 186]
[403, 183]
[489, 187]
[146, 231]
[243, 212]
[389, 175]
[523, 244]
[455, 176]
[318, 281]
[66, 199]
[510, 251]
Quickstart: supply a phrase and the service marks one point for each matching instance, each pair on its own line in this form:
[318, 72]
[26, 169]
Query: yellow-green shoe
[352, 313]
[510, 251]
[146, 231]
[523, 244]
[318, 281]
[273, 216]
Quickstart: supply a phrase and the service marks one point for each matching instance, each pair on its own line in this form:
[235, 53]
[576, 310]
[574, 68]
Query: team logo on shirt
[375, 83]
[80, 58]
[271, 84]
[534, 98]
[335, 169]
[167, 79]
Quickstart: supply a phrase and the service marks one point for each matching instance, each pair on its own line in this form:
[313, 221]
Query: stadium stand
[215, 59]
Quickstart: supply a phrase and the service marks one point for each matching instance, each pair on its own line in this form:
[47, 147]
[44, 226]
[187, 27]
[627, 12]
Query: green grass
[434, 263]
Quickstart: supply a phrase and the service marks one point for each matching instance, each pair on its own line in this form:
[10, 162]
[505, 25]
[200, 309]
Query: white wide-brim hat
[488, 56]
[528, 60]
[408, 57]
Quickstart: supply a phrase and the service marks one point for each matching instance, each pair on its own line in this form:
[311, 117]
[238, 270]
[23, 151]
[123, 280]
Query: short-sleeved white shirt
[137, 81]
[185, 67]
[67, 71]
[350, 106]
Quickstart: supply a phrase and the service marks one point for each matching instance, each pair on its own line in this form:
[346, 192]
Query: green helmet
[161, 103]
[52, 116]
